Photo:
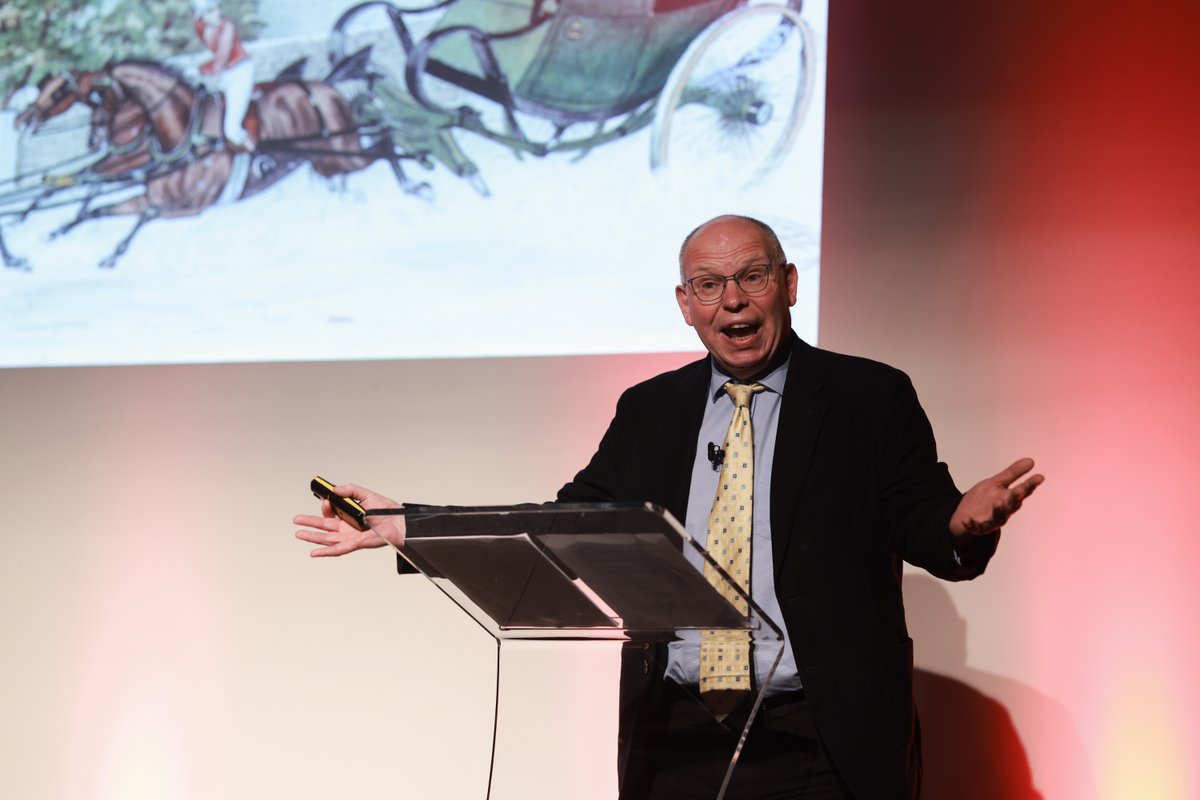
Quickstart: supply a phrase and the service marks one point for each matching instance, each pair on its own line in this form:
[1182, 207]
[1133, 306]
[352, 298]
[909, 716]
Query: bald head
[770, 241]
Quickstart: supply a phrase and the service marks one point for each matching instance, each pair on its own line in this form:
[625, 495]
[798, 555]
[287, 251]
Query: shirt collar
[773, 380]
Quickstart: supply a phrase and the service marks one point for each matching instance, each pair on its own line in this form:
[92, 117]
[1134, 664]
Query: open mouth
[740, 330]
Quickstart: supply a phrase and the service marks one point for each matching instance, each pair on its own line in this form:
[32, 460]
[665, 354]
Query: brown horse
[117, 130]
[158, 130]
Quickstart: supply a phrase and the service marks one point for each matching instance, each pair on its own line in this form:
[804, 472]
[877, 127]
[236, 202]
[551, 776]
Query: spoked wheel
[733, 104]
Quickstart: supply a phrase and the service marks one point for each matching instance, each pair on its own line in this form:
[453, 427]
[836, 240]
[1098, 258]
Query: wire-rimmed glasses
[752, 280]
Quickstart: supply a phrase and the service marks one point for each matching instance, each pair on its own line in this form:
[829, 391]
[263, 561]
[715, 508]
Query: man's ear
[682, 299]
[792, 281]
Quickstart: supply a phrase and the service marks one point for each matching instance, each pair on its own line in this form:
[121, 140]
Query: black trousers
[683, 753]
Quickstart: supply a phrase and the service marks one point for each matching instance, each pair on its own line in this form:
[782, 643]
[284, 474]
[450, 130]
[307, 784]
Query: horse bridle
[95, 101]
[189, 139]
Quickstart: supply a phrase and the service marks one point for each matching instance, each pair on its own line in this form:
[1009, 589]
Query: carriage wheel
[735, 101]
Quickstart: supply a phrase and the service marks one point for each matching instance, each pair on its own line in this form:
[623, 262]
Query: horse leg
[11, 261]
[336, 184]
[421, 190]
[85, 213]
[66, 228]
[37, 203]
[385, 148]
[139, 205]
[145, 216]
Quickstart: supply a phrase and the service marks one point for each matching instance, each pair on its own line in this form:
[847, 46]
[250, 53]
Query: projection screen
[463, 178]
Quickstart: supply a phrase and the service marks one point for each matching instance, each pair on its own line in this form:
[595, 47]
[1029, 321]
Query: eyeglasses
[752, 280]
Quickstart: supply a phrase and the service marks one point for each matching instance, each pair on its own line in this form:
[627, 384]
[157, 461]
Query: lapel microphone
[716, 456]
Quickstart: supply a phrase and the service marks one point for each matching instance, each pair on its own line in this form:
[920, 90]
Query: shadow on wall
[984, 736]
[970, 745]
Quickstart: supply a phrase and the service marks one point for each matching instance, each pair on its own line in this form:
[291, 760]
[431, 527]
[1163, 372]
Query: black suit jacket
[856, 489]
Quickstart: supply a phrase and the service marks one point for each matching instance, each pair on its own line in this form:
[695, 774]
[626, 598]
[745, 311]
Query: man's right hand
[337, 538]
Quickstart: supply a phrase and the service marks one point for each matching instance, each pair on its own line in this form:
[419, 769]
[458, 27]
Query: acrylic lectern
[592, 608]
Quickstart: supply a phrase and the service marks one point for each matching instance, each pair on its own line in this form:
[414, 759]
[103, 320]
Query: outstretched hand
[338, 537]
[988, 504]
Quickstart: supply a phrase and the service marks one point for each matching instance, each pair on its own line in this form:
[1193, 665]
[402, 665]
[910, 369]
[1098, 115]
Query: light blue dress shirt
[683, 664]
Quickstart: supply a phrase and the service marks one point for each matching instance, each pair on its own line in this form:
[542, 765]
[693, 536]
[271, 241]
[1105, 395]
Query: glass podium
[594, 609]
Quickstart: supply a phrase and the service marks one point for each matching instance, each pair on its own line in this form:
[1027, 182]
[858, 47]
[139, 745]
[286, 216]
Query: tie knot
[740, 392]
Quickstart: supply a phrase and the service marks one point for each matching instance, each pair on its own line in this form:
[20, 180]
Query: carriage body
[543, 77]
[589, 60]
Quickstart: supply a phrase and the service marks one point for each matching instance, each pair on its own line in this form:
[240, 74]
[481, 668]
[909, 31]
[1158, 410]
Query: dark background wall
[1011, 216]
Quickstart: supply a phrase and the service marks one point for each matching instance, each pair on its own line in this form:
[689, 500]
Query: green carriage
[546, 76]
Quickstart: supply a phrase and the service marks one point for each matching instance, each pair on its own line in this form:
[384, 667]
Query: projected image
[234, 180]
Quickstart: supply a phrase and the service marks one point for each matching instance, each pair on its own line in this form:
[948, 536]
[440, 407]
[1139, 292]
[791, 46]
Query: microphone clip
[716, 456]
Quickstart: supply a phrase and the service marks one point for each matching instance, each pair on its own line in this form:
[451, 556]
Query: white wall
[166, 635]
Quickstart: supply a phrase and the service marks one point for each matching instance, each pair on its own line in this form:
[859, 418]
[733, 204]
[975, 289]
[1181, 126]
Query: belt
[677, 693]
[784, 698]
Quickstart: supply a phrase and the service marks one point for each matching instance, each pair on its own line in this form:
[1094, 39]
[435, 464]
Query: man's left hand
[988, 504]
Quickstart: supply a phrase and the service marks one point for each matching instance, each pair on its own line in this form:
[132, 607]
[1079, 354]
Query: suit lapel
[682, 427]
[800, 418]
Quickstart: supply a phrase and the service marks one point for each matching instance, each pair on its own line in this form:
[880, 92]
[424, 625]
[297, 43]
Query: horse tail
[292, 72]
[353, 67]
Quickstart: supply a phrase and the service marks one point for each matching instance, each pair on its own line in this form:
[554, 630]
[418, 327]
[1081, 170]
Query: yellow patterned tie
[725, 655]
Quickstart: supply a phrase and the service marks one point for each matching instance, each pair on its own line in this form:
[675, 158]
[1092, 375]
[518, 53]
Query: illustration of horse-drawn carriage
[714, 79]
